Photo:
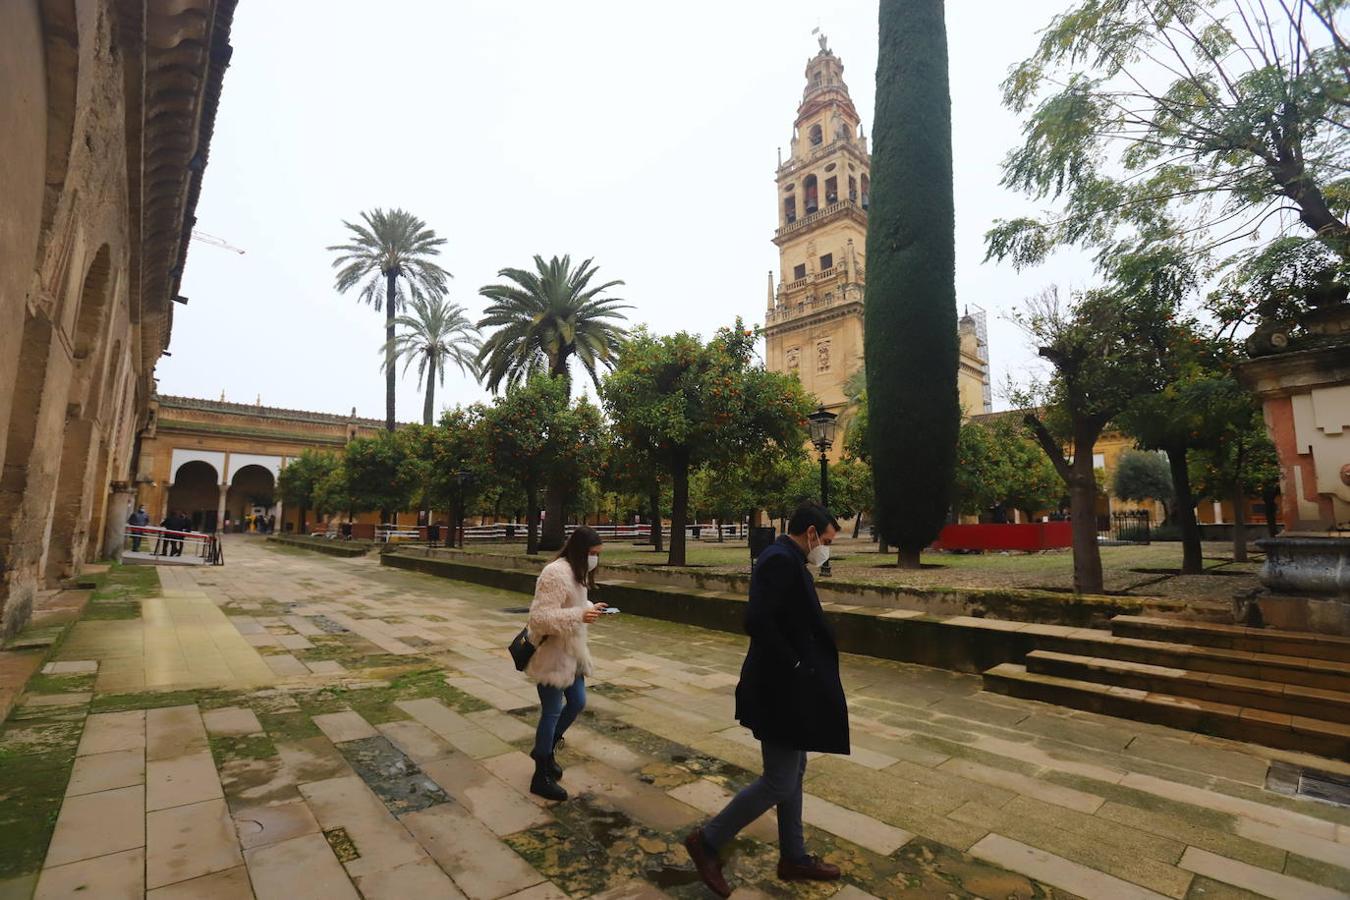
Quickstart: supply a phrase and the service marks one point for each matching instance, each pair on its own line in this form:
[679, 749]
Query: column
[120, 505]
[220, 507]
[281, 527]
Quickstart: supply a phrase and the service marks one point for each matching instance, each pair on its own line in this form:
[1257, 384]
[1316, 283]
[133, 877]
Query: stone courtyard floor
[294, 725]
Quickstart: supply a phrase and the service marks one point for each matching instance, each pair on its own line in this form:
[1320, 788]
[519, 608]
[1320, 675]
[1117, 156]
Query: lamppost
[822, 424]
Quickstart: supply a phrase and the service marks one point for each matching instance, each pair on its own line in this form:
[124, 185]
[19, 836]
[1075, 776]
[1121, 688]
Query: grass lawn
[1137, 569]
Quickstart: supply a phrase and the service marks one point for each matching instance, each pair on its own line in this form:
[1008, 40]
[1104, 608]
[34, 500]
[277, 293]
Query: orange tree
[686, 404]
[535, 437]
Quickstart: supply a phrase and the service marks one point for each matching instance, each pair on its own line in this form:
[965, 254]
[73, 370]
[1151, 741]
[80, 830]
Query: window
[790, 209]
[809, 187]
[827, 262]
[852, 189]
[817, 136]
[799, 272]
[831, 190]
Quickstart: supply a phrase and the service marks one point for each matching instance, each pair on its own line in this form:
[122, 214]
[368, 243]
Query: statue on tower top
[821, 37]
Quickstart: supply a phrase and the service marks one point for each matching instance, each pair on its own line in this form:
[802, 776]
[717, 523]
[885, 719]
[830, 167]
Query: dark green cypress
[911, 347]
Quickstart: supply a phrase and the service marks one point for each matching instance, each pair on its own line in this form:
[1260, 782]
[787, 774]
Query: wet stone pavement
[295, 725]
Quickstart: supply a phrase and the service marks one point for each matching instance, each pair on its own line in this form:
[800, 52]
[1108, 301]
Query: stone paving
[294, 726]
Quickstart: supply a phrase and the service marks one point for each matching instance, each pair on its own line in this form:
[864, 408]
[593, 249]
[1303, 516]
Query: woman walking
[559, 614]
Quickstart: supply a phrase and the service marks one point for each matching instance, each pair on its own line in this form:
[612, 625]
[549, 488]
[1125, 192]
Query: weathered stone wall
[97, 129]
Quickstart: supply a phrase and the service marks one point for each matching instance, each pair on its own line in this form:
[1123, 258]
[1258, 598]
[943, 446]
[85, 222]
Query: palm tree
[435, 333]
[389, 257]
[543, 319]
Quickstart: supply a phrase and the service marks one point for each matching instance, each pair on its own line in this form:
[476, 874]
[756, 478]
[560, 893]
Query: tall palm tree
[389, 255]
[543, 319]
[436, 332]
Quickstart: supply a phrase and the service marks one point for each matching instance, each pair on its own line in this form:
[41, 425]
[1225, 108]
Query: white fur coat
[559, 603]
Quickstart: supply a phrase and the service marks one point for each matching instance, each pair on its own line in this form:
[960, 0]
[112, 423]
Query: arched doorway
[252, 492]
[196, 491]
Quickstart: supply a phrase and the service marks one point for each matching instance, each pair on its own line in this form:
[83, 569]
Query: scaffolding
[982, 351]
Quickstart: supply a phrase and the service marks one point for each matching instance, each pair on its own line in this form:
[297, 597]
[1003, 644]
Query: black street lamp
[822, 424]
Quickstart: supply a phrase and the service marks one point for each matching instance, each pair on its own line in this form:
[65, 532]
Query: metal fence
[1133, 526]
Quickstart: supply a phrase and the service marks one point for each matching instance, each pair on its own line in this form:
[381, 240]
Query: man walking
[139, 519]
[789, 696]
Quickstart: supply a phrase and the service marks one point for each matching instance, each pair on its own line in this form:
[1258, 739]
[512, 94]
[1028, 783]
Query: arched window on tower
[831, 190]
[816, 135]
[789, 209]
[810, 204]
[852, 189]
[865, 185]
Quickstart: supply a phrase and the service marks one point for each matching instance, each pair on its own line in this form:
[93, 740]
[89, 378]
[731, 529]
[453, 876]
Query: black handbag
[521, 650]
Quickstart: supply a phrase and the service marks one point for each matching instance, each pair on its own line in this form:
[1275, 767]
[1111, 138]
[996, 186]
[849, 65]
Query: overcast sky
[599, 129]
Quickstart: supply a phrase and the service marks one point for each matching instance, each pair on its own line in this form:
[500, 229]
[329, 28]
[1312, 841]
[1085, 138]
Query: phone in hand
[610, 610]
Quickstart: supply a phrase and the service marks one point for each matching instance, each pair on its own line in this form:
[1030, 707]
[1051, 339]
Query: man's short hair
[809, 514]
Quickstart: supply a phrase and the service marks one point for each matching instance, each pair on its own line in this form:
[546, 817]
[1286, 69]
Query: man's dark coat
[790, 691]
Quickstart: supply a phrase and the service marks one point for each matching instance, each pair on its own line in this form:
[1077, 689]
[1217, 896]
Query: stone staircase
[1283, 689]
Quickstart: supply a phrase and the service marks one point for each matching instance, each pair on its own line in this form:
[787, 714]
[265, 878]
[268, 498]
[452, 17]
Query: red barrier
[1032, 536]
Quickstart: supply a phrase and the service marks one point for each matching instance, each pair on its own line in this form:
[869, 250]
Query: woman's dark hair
[575, 551]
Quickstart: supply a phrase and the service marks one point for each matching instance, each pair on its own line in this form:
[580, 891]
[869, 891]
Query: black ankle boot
[545, 783]
[556, 769]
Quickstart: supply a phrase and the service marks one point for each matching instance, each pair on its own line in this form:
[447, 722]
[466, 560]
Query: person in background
[138, 519]
[559, 614]
[789, 696]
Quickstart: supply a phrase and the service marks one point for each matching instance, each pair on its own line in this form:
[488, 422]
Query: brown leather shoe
[814, 869]
[707, 864]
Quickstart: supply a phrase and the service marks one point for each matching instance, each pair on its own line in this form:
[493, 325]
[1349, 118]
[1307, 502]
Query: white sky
[599, 129]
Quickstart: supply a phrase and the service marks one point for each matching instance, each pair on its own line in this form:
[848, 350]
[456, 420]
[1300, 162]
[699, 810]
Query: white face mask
[818, 555]
[592, 561]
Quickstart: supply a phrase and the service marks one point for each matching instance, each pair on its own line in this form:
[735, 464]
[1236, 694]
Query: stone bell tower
[814, 322]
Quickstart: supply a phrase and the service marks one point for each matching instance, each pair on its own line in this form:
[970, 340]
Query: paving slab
[497, 805]
[259, 826]
[348, 804]
[398, 781]
[116, 876]
[423, 880]
[1253, 878]
[106, 771]
[1057, 871]
[107, 732]
[231, 721]
[98, 824]
[173, 731]
[190, 778]
[187, 842]
[302, 868]
[344, 726]
[231, 884]
[482, 867]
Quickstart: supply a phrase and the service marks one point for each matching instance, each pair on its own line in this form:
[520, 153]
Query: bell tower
[813, 326]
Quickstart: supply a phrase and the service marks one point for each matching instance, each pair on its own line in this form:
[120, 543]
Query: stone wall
[105, 118]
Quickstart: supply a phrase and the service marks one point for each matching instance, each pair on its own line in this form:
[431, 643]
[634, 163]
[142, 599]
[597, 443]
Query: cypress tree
[910, 348]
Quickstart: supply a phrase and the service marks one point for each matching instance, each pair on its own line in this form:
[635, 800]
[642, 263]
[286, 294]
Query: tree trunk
[531, 519]
[1268, 498]
[555, 531]
[908, 559]
[430, 406]
[1239, 523]
[303, 529]
[720, 537]
[1192, 562]
[390, 292]
[1087, 556]
[857, 524]
[654, 497]
[679, 509]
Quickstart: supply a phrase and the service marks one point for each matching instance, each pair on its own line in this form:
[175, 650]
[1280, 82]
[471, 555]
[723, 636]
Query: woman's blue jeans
[555, 716]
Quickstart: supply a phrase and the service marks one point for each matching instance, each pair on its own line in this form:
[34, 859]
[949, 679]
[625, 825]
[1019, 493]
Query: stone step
[1306, 644]
[1251, 693]
[1205, 716]
[1318, 673]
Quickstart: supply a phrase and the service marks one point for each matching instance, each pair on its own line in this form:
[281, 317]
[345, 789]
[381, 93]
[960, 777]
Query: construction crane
[215, 241]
